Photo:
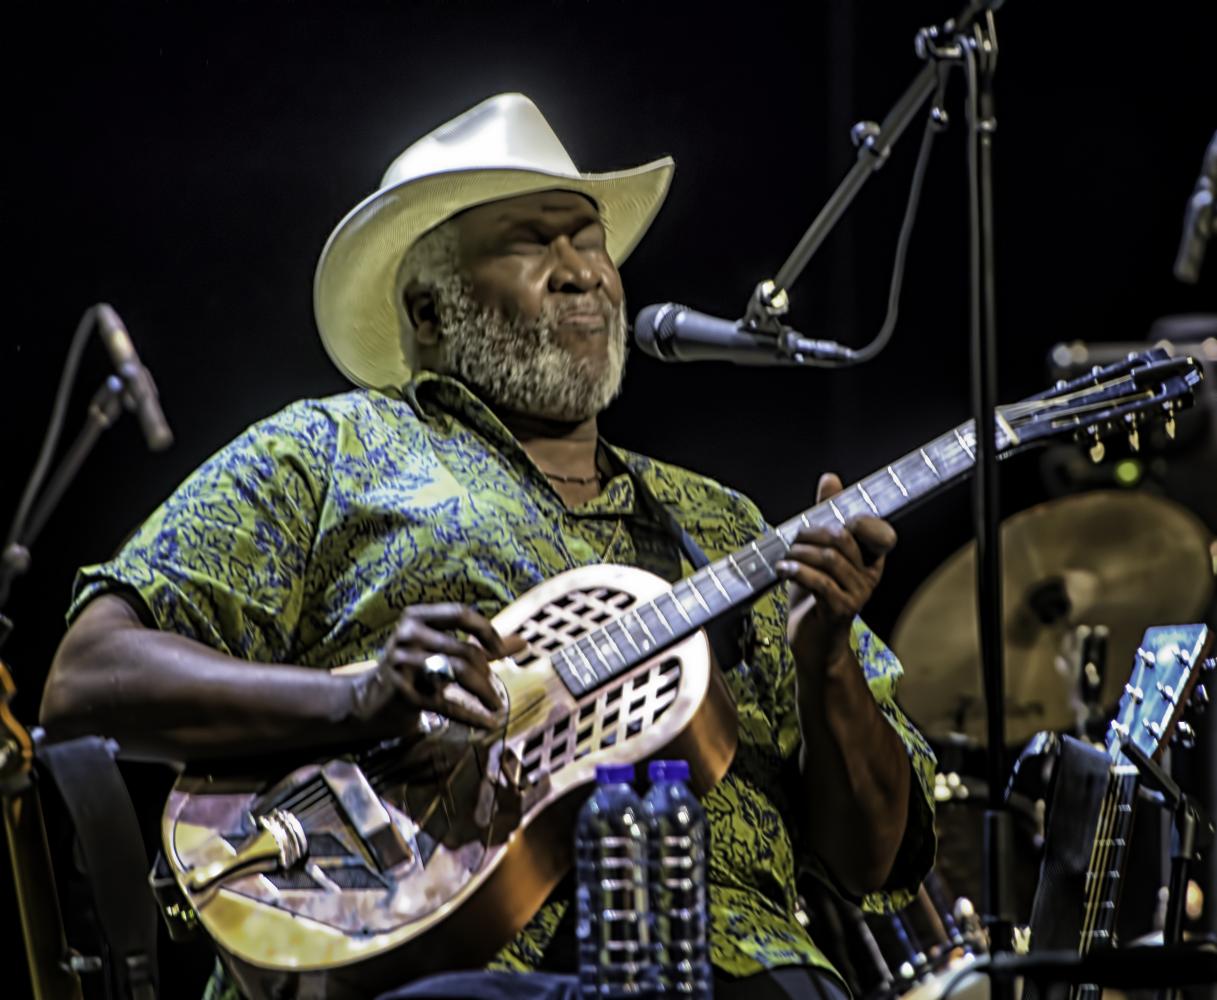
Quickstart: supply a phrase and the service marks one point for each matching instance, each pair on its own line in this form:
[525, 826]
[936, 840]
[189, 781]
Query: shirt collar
[432, 395]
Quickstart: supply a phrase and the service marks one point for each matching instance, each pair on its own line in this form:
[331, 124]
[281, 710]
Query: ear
[419, 303]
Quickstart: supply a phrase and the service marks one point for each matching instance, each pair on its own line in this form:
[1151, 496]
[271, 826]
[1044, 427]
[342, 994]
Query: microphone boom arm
[770, 299]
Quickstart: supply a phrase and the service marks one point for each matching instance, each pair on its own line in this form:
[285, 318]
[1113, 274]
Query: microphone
[672, 332]
[1198, 221]
[141, 390]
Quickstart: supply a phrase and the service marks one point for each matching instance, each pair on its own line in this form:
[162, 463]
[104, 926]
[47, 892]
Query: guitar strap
[725, 632]
[99, 804]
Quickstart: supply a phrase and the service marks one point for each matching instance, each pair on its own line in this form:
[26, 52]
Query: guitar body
[432, 851]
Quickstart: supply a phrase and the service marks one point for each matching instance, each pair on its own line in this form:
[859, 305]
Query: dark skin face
[529, 256]
[534, 254]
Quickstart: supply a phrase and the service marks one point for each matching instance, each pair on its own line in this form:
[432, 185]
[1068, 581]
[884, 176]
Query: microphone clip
[766, 307]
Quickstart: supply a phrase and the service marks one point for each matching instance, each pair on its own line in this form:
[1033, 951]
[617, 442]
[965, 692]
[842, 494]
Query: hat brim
[353, 289]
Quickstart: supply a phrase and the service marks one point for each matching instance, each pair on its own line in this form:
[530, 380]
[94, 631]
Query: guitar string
[1096, 907]
[1102, 828]
[1088, 922]
[1102, 879]
[1138, 682]
[1084, 939]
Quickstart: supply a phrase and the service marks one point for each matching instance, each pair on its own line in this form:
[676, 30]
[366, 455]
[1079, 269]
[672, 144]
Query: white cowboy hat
[501, 148]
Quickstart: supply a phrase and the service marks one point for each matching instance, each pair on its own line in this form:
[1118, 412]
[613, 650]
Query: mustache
[596, 304]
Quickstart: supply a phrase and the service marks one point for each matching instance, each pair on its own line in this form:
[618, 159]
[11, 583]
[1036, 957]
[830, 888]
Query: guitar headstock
[1117, 399]
[1165, 671]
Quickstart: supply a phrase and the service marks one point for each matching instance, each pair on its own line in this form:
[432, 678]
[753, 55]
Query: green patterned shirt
[303, 540]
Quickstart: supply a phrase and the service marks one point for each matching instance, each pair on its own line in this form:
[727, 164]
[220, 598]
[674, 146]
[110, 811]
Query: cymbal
[1119, 559]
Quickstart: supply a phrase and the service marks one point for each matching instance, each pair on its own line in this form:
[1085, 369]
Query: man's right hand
[425, 638]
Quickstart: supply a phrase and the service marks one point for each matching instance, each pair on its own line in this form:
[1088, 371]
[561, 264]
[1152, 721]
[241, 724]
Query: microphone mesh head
[654, 328]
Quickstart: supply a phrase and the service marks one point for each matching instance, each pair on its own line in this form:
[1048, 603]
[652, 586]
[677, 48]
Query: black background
[186, 162]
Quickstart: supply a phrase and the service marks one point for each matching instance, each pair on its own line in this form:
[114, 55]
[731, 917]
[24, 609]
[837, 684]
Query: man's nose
[572, 271]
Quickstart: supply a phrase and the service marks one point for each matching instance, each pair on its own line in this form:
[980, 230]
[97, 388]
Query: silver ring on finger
[436, 671]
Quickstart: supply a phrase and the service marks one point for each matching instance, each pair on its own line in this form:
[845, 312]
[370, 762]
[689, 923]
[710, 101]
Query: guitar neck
[740, 578]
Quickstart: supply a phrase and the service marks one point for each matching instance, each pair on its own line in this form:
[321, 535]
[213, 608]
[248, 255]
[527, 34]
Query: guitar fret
[869, 502]
[964, 445]
[836, 511]
[576, 670]
[761, 556]
[626, 632]
[697, 594]
[679, 607]
[600, 654]
[739, 572]
[654, 605]
[930, 464]
[583, 657]
[717, 583]
[616, 648]
[646, 631]
[896, 479]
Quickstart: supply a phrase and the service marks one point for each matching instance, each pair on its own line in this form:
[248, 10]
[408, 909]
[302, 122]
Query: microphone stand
[978, 48]
[969, 40]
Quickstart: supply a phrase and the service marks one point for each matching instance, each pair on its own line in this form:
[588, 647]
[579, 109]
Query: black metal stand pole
[104, 408]
[978, 46]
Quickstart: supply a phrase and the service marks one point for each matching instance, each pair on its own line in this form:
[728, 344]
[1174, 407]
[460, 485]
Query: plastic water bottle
[676, 835]
[613, 929]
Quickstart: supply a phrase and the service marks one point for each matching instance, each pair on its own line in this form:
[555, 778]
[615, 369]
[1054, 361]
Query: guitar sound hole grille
[604, 719]
[568, 617]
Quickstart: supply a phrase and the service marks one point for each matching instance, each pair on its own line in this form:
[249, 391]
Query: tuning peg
[1134, 435]
[1146, 657]
[1210, 664]
[1200, 698]
[1097, 449]
[1185, 736]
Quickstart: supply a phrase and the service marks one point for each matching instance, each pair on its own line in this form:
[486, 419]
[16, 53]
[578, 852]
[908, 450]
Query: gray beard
[519, 364]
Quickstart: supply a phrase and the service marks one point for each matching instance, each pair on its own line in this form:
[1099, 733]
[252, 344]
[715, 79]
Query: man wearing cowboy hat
[476, 299]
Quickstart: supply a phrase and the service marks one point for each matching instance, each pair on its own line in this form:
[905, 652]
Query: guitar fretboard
[743, 576]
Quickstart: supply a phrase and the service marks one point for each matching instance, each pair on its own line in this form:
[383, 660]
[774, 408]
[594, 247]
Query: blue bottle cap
[614, 774]
[668, 770]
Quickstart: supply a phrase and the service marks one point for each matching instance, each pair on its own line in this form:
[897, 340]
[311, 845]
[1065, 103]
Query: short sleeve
[916, 854]
[223, 559]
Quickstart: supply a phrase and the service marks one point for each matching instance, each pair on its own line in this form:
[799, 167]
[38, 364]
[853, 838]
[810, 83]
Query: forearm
[164, 695]
[856, 774]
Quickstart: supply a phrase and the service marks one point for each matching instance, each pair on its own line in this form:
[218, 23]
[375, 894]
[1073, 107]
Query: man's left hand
[832, 572]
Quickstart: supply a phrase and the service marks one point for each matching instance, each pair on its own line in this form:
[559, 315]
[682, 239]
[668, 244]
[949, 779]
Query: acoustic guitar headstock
[1167, 668]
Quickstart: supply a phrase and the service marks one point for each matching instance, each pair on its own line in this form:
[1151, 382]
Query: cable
[49, 443]
[934, 124]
